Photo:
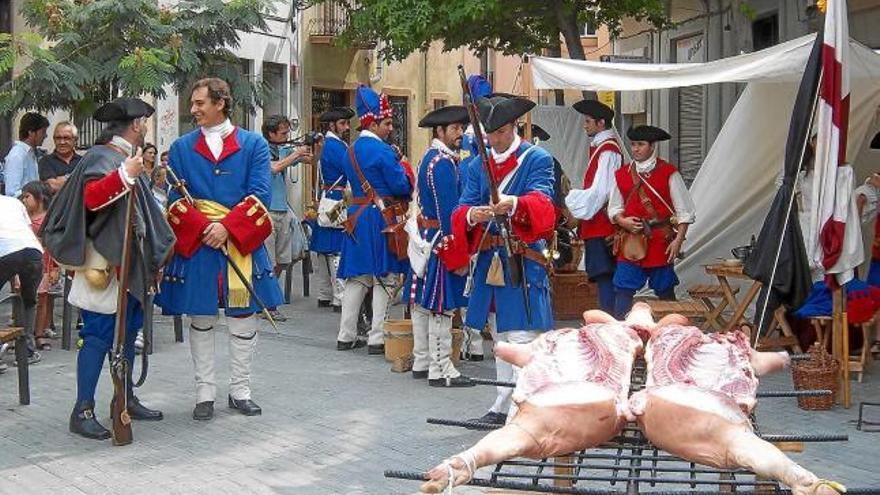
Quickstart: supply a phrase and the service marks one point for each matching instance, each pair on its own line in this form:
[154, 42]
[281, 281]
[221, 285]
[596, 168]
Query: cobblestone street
[332, 422]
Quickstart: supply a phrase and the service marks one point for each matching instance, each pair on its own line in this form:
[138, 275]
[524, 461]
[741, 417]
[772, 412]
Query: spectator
[163, 158]
[149, 153]
[159, 186]
[21, 254]
[21, 162]
[57, 166]
[35, 197]
[276, 130]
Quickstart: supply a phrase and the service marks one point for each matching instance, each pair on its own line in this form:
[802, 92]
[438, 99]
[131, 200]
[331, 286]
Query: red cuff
[248, 224]
[535, 217]
[188, 223]
[100, 193]
[407, 169]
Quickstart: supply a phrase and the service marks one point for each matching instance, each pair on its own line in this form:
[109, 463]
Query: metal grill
[629, 464]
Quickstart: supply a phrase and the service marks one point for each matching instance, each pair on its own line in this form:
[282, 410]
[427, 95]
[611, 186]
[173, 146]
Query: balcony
[330, 21]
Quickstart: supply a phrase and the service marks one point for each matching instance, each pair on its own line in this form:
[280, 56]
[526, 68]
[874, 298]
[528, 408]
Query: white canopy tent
[735, 184]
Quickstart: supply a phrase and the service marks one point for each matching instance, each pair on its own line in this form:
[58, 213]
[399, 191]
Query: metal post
[21, 350]
[178, 328]
[306, 271]
[288, 281]
[66, 315]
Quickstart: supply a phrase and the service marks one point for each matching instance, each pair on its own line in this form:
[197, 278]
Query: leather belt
[363, 200]
[495, 241]
[428, 223]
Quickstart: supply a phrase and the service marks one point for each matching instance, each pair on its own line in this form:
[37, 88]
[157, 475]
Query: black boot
[136, 410]
[245, 406]
[83, 422]
[204, 411]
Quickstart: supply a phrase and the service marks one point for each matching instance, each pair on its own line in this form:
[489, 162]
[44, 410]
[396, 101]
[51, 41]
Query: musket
[178, 184]
[515, 260]
[120, 368]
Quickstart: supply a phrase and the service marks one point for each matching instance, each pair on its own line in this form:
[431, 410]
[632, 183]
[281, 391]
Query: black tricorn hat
[595, 109]
[647, 133]
[338, 113]
[537, 132]
[452, 114]
[500, 110]
[124, 108]
[875, 143]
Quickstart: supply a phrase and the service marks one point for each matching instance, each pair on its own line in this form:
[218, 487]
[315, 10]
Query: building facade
[710, 30]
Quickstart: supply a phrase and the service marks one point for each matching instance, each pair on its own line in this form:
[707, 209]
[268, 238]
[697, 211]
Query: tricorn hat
[444, 116]
[647, 133]
[124, 108]
[338, 113]
[595, 109]
[500, 110]
[537, 132]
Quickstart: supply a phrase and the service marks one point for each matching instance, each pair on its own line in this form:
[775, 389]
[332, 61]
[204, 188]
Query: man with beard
[376, 175]
[438, 292]
[326, 241]
[84, 230]
[226, 170]
[589, 204]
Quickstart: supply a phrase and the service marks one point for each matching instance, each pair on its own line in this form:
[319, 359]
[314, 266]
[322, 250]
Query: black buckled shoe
[323, 304]
[474, 357]
[452, 382]
[347, 346]
[83, 422]
[204, 411]
[492, 418]
[376, 349]
[245, 406]
[420, 375]
[141, 412]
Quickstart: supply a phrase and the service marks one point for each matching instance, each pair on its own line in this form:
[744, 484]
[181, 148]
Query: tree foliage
[513, 27]
[80, 53]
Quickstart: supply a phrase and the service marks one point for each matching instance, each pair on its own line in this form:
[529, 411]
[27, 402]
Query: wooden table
[723, 272]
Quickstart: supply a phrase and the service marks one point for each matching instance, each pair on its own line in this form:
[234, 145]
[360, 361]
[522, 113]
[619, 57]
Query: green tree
[79, 53]
[513, 27]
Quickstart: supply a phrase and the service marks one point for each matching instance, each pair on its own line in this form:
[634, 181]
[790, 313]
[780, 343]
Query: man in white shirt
[589, 204]
[651, 204]
[21, 161]
[21, 254]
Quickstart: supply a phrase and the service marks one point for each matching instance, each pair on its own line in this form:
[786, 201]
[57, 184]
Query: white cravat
[647, 165]
[215, 135]
[442, 148]
[370, 134]
[501, 157]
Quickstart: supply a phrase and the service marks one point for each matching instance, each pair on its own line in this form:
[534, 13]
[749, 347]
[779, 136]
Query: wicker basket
[819, 372]
[572, 294]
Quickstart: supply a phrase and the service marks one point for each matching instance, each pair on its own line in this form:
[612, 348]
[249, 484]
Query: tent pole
[527, 90]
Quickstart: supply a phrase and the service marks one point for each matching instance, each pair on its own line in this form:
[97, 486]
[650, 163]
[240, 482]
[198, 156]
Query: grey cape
[69, 224]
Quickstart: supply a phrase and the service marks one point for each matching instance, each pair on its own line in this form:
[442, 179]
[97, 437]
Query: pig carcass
[571, 394]
[699, 392]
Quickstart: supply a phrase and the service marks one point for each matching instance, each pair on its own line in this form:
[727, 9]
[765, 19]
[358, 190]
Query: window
[439, 103]
[276, 91]
[400, 136]
[765, 32]
[589, 29]
[239, 117]
[323, 100]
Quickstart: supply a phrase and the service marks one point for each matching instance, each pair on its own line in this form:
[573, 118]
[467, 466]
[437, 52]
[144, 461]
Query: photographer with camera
[284, 156]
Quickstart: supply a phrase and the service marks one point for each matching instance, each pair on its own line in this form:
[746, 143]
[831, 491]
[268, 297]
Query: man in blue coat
[524, 174]
[436, 292]
[226, 170]
[326, 242]
[371, 165]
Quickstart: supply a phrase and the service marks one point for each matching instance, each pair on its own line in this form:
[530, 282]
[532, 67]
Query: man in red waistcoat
[589, 205]
[649, 198]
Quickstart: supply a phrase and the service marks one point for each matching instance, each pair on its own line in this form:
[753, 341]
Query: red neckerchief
[500, 170]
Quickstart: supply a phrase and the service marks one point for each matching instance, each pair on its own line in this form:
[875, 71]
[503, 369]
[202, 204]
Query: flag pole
[527, 89]
[787, 217]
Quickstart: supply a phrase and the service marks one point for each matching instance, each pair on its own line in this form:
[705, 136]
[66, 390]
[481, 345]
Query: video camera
[308, 139]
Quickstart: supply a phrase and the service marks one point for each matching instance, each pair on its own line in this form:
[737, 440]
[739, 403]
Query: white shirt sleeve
[615, 202]
[585, 203]
[685, 210]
